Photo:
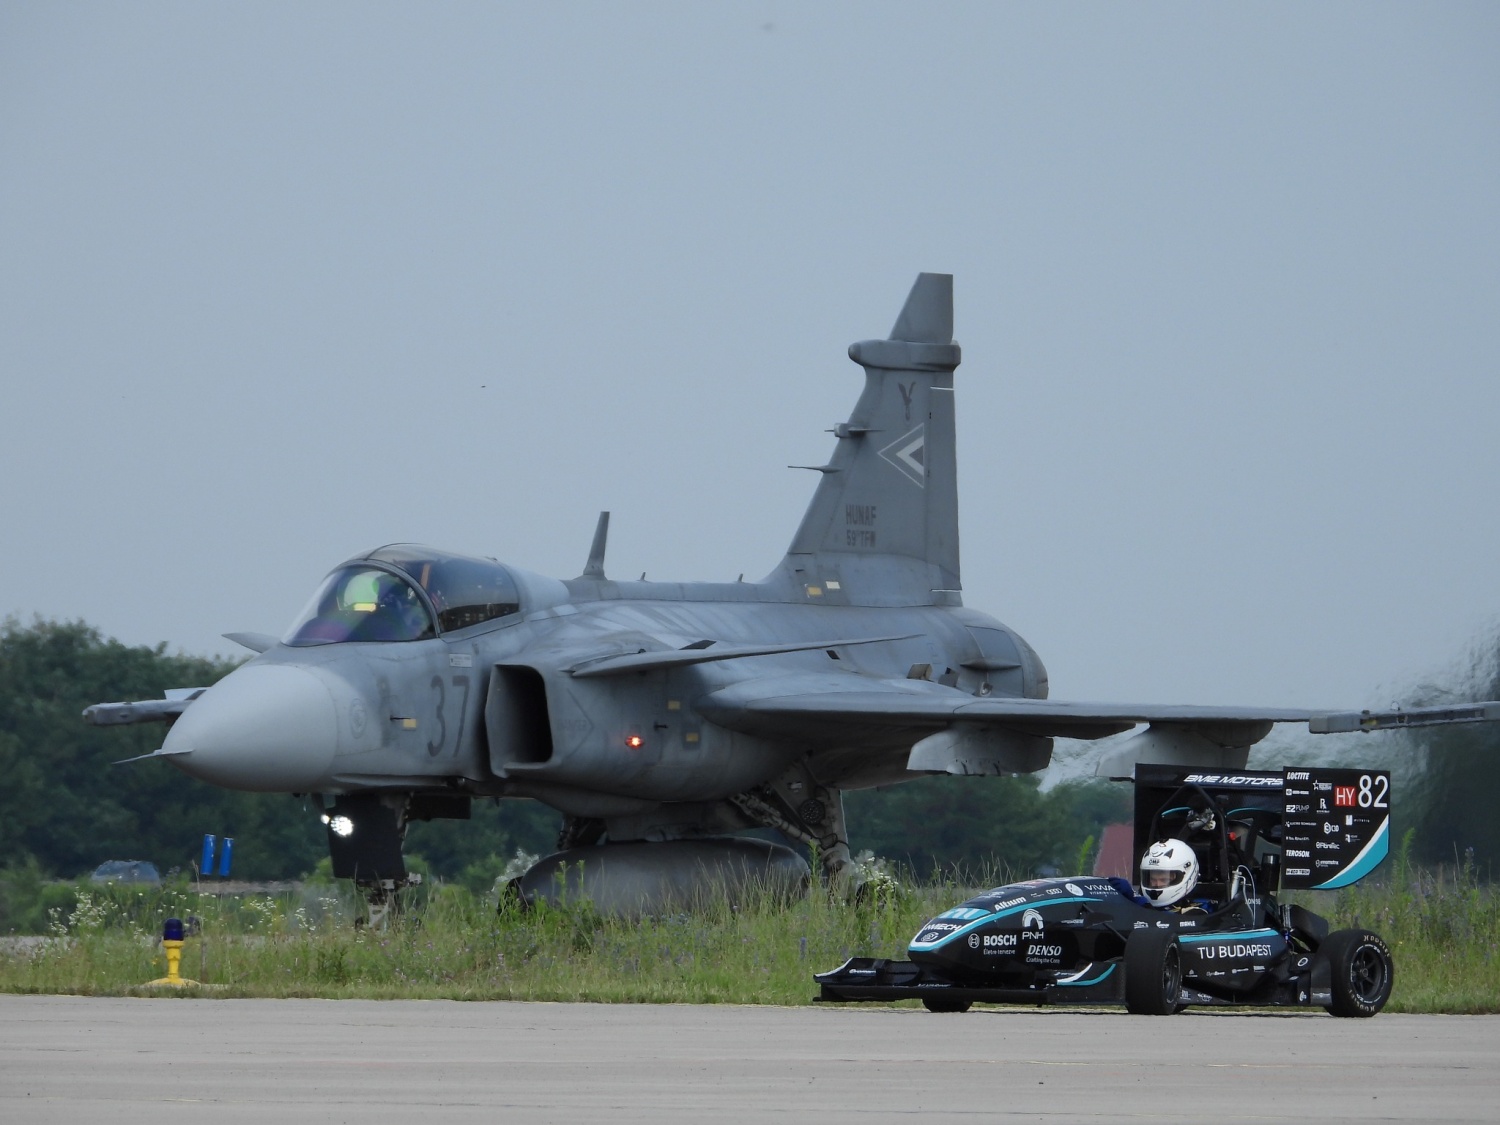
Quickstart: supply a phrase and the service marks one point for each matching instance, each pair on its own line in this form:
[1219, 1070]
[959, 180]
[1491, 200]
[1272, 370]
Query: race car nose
[265, 727]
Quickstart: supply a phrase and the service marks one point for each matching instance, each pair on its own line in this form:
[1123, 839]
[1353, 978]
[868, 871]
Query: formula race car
[1094, 940]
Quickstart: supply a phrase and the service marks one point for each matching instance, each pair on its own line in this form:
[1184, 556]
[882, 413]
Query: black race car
[1092, 940]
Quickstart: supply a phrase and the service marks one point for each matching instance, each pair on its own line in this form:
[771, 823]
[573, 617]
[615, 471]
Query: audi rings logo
[973, 941]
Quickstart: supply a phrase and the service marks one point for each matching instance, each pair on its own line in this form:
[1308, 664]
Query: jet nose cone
[265, 727]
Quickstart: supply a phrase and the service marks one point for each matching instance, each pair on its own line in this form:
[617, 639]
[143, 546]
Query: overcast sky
[283, 282]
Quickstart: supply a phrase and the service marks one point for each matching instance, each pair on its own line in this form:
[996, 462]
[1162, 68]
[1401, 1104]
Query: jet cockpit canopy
[405, 592]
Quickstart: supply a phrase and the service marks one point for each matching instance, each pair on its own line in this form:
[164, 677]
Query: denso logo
[1044, 952]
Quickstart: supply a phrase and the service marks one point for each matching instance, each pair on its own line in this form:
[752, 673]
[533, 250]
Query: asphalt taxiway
[170, 1060]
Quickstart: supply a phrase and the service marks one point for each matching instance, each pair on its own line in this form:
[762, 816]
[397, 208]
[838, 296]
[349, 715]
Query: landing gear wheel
[1361, 971]
[1153, 973]
[947, 1005]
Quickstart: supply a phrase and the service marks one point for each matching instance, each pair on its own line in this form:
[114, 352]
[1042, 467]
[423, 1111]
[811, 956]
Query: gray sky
[283, 282]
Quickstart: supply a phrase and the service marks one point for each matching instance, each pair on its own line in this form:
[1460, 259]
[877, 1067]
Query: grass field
[1443, 928]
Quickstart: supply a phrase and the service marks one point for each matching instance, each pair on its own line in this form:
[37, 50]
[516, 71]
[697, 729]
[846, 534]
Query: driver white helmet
[1169, 872]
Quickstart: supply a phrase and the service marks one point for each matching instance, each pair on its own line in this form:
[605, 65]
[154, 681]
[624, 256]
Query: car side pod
[1153, 973]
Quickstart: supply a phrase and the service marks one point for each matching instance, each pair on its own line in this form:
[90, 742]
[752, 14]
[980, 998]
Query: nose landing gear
[365, 833]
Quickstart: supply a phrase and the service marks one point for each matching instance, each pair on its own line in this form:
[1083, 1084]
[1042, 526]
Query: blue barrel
[207, 866]
[226, 853]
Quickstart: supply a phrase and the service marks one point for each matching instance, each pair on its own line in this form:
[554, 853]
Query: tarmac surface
[170, 1060]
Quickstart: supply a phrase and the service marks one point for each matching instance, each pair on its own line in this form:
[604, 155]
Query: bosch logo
[999, 941]
[973, 941]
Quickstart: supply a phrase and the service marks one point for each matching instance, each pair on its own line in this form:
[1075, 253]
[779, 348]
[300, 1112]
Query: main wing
[950, 731]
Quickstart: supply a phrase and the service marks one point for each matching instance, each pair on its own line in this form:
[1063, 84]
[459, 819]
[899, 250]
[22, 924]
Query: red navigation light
[634, 741]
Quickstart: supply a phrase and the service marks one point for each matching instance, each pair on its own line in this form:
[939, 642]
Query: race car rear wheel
[933, 1005]
[1361, 971]
[1153, 973]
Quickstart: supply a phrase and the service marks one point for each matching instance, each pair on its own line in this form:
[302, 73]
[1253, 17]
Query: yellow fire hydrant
[171, 941]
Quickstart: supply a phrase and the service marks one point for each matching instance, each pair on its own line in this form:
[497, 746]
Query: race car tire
[934, 1005]
[1153, 973]
[1361, 971]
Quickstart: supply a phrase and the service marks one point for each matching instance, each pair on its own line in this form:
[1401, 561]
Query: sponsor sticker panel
[1336, 825]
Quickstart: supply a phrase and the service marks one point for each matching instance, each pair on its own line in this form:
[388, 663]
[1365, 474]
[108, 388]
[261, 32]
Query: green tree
[1002, 825]
[66, 804]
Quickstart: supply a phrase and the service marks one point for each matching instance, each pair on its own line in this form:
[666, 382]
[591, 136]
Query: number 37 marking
[435, 745]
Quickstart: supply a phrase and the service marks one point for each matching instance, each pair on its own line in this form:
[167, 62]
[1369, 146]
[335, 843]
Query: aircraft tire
[1153, 973]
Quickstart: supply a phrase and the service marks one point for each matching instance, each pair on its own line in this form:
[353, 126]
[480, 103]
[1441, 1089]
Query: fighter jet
[661, 718]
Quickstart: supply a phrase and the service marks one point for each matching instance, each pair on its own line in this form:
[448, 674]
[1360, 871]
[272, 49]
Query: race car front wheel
[935, 1005]
[1361, 971]
[1153, 973]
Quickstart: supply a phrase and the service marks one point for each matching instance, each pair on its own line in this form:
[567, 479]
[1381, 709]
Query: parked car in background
[127, 871]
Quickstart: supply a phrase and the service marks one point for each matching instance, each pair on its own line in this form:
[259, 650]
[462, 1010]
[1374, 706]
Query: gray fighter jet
[660, 718]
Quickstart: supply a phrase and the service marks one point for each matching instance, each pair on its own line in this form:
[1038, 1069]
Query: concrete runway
[164, 1061]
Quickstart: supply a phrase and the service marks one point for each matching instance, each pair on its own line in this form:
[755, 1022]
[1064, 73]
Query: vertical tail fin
[884, 520]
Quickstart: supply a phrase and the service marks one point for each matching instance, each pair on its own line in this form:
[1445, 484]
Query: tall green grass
[1442, 925]
[1443, 928]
